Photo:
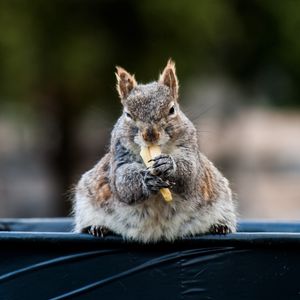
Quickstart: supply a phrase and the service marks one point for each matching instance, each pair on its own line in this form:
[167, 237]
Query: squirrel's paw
[219, 229]
[163, 166]
[98, 231]
[154, 183]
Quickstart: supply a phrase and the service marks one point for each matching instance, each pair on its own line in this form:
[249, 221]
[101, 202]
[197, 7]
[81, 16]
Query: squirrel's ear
[168, 77]
[125, 82]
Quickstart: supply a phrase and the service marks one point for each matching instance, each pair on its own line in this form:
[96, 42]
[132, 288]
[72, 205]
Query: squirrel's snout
[151, 135]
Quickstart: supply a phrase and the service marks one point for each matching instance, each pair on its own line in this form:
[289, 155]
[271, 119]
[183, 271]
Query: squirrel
[120, 195]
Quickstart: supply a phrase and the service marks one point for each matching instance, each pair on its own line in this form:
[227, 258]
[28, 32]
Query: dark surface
[262, 261]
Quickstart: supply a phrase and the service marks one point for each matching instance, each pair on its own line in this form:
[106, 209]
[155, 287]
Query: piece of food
[148, 153]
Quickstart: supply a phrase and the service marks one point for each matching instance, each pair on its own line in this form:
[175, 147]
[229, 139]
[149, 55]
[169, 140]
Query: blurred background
[238, 64]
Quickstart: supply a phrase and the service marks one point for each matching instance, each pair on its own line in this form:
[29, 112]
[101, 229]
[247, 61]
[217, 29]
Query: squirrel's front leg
[175, 170]
[135, 184]
[163, 166]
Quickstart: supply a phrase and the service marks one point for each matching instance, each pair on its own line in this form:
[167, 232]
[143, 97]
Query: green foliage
[73, 46]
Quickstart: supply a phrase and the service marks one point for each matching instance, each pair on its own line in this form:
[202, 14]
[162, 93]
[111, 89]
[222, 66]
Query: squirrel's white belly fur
[154, 219]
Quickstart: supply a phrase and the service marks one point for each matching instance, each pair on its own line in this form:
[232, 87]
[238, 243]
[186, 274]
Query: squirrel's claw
[163, 166]
[159, 157]
[219, 229]
[98, 231]
[154, 183]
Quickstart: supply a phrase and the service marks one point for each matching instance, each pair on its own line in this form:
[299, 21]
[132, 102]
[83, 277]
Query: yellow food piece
[148, 153]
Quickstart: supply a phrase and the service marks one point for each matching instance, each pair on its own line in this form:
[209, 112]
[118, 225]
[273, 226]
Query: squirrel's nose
[151, 135]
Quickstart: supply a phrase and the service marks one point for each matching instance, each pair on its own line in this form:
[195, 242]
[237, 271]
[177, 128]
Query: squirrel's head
[151, 111]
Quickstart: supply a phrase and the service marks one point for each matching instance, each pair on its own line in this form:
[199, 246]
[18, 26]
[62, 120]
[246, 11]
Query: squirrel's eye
[172, 110]
[128, 115]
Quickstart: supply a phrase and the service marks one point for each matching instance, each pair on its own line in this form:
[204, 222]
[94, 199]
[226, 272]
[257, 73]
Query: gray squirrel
[121, 195]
